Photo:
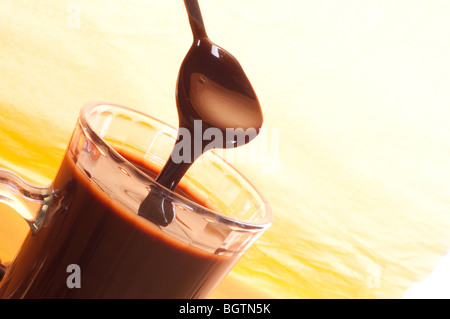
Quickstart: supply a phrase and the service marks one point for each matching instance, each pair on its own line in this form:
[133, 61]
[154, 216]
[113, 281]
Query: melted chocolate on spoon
[212, 89]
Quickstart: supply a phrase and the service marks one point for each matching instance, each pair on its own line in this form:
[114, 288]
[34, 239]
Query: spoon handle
[195, 19]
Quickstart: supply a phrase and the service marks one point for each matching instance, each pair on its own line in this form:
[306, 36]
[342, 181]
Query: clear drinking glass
[86, 238]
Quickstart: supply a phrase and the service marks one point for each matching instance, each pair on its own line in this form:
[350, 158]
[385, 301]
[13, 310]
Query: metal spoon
[217, 107]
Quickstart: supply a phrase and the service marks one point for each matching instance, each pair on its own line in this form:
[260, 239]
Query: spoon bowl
[213, 88]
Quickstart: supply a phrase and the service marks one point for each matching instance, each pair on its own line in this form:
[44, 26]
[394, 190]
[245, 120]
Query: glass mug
[86, 238]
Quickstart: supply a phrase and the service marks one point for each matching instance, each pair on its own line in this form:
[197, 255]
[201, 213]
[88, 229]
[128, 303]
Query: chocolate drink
[120, 254]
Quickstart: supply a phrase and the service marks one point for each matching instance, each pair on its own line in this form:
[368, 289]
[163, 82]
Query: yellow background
[357, 89]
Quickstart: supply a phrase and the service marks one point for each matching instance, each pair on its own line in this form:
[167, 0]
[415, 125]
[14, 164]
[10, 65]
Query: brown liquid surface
[120, 254]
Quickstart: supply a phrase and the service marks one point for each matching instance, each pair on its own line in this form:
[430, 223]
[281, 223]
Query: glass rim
[259, 224]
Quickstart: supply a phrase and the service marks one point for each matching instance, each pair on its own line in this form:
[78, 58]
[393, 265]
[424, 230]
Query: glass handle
[30, 201]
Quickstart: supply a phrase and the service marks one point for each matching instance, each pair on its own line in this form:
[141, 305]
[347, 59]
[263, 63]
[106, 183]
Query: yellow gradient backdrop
[356, 101]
